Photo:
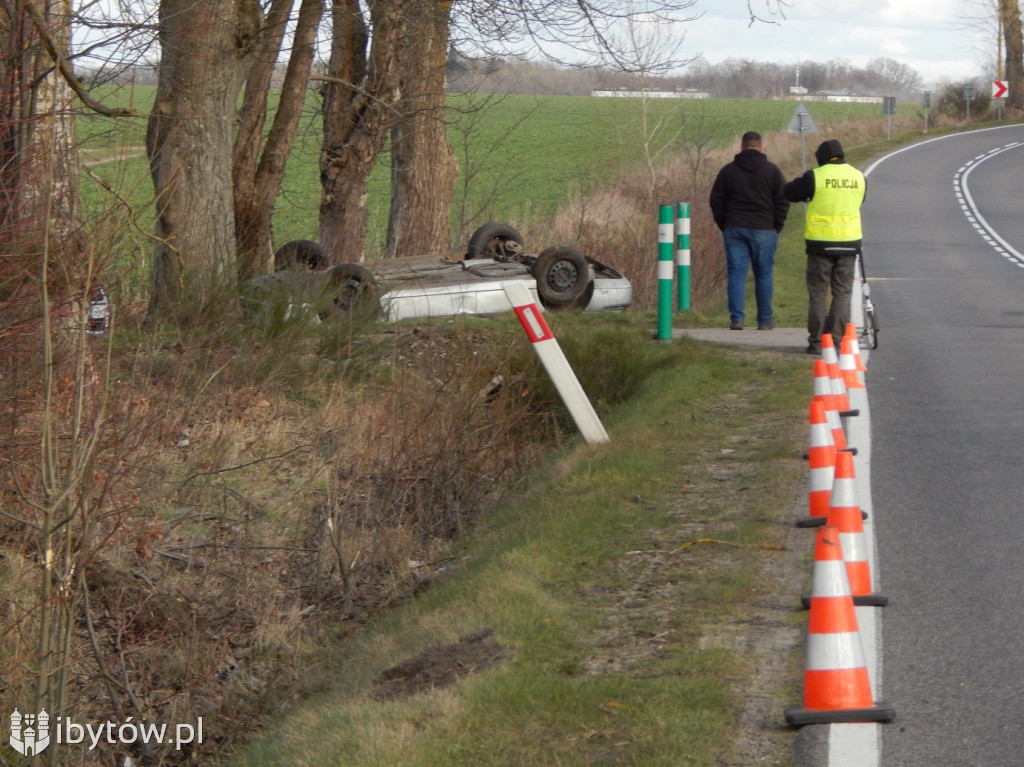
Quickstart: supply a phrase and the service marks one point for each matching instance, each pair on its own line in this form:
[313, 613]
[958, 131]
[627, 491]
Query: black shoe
[812, 349]
[735, 325]
[769, 325]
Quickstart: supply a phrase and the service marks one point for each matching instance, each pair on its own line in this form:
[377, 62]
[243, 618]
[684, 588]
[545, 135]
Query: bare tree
[997, 24]
[583, 33]
[259, 163]
[38, 151]
[893, 74]
[376, 83]
[744, 78]
[767, 11]
[360, 93]
[642, 49]
[1013, 44]
[423, 164]
[982, 18]
[206, 52]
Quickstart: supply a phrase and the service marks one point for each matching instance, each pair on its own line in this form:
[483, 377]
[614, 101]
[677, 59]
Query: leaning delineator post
[555, 363]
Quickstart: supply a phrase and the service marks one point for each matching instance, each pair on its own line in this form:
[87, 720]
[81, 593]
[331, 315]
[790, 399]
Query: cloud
[918, 13]
[923, 34]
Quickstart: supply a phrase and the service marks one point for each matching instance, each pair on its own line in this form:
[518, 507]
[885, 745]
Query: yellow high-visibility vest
[833, 214]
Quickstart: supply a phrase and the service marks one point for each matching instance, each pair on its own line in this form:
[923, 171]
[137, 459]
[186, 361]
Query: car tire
[495, 240]
[301, 254]
[352, 289]
[564, 280]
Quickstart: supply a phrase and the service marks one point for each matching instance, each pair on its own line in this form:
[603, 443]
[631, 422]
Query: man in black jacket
[749, 207]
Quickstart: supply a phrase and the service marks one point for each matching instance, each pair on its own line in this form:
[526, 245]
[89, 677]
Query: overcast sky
[926, 35]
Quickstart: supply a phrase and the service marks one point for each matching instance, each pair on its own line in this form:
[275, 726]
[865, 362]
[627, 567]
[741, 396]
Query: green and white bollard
[665, 275]
[683, 255]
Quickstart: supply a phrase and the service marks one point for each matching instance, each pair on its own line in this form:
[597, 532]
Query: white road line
[963, 195]
[860, 745]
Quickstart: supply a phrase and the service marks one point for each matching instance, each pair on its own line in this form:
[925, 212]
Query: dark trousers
[835, 272]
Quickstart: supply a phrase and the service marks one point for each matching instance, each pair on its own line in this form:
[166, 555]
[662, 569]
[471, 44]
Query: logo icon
[30, 734]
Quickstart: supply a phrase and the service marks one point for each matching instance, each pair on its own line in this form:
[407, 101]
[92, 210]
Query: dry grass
[245, 498]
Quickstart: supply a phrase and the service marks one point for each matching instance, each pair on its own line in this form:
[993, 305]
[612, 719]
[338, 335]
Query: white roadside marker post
[555, 363]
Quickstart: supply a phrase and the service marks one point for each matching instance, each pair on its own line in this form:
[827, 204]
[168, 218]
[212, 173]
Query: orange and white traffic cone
[836, 684]
[823, 393]
[851, 331]
[828, 348]
[821, 455]
[848, 365]
[828, 353]
[844, 513]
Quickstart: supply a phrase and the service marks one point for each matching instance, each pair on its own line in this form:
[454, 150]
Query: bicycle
[869, 332]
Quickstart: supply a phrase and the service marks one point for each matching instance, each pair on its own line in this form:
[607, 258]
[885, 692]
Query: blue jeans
[753, 248]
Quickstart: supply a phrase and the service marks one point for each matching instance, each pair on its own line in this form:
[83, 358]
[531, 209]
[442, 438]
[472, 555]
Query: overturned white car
[432, 286]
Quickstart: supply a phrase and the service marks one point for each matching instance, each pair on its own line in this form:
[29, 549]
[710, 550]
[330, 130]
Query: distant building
[848, 96]
[689, 93]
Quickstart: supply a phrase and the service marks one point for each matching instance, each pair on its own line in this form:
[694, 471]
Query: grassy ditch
[242, 507]
[620, 607]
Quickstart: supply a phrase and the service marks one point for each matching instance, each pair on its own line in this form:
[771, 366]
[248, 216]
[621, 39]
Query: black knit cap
[828, 151]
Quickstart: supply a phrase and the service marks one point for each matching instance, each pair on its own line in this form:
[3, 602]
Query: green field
[521, 156]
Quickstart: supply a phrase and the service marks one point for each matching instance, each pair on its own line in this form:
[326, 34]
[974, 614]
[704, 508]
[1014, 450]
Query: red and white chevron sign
[1000, 89]
[554, 361]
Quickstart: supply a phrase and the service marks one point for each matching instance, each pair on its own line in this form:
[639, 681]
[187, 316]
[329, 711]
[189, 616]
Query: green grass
[521, 156]
[553, 572]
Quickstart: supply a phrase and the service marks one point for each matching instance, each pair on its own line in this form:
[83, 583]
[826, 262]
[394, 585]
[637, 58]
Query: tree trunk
[423, 165]
[190, 140]
[257, 174]
[17, 128]
[39, 194]
[56, 150]
[359, 98]
[1009, 11]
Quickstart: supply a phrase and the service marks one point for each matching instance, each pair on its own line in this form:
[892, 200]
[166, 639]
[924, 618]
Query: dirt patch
[665, 594]
[439, 666]
[770, 635]
[94, 156]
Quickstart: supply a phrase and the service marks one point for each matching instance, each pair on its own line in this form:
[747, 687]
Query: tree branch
[64, 67]
[361, 91]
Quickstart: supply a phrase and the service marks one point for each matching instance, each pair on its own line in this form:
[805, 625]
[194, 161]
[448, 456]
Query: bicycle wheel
[870, 325]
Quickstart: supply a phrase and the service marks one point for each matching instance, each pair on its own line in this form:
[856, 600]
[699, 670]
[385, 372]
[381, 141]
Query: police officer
[833, 192]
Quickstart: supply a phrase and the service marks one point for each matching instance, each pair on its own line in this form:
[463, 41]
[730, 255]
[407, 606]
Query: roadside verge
[637, 598]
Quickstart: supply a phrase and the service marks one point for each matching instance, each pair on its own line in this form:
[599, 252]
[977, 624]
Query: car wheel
[352, 289]
[563, 278]
[303, 254]
[495, 240]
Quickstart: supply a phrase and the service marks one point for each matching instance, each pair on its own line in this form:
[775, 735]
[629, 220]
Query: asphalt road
[943, 227]
[941, 455]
